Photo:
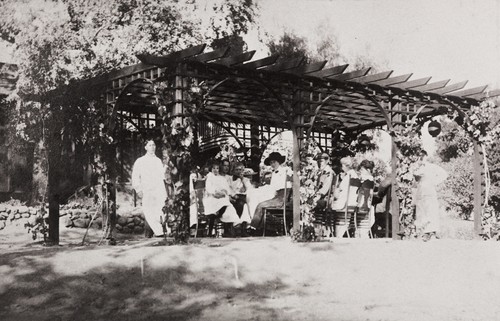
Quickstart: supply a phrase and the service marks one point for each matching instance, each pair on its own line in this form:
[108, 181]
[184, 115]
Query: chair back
[365, 196]
[352, 192]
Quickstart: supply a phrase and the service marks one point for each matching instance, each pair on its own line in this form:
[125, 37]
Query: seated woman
[216, 201]
[240, 185]
[279, 178]
[340, 193]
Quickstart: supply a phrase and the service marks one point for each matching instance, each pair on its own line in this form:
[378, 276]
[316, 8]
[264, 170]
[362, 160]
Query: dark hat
[369, 165]
[274, 156]
[322, 156]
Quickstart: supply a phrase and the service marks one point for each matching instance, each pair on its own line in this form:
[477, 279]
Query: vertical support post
[394, 165]
[477, 190]
[54, 149]
[298, 133]
[394, 196]
[296, 177]
[255, 152]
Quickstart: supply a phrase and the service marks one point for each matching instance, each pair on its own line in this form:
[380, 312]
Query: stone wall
[72, 216]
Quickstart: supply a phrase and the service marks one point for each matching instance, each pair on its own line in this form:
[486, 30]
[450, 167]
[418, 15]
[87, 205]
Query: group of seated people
[235, 200]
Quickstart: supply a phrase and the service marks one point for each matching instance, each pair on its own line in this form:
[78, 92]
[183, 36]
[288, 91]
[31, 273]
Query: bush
[457, 191]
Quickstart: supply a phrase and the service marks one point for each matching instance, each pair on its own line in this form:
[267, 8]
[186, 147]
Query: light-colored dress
[212, 204]
[147, 177]
[428, 210]
[341, 192]
[242, 186]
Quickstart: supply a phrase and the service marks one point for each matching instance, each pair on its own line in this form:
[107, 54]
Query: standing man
[148, 177]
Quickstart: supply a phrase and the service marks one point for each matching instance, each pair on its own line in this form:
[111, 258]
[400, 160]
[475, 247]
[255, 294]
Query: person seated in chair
[279, 178]
[340, 194]
[216, 201]
[323, 186]
[238, 196]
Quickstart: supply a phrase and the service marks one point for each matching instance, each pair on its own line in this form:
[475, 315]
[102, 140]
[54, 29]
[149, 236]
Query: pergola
[292, 95]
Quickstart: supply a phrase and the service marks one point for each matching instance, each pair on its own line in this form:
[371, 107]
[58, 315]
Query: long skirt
[427, 213]
[213, 205]
[276, 201]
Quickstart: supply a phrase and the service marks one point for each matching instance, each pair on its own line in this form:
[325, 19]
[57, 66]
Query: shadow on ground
[33, 289]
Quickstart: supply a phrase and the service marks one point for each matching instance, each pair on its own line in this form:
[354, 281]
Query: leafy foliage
[409, 154]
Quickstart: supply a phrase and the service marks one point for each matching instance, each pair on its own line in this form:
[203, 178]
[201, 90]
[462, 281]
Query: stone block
[81, 222]
[68, 222]
[122, 221]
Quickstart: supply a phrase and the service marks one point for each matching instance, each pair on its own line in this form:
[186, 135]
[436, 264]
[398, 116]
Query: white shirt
[148, 175]
[278, 179]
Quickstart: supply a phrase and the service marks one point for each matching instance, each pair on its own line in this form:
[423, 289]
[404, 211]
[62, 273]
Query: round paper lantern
[434, 128]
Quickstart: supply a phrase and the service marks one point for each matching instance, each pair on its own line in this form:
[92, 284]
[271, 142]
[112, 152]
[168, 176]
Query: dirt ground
[247, 279]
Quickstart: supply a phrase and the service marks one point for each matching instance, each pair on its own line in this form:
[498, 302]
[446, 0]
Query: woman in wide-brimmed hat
[280, 179]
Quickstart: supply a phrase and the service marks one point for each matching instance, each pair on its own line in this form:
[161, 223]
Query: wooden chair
[277, 216]
[362, 214]
[343, 219]
[199, 192]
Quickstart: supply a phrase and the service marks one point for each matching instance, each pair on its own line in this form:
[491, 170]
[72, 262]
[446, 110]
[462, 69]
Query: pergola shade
[269, 91]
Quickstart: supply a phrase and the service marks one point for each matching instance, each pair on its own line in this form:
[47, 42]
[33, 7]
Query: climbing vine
[178, 136]
[409, 152]
[308, 175]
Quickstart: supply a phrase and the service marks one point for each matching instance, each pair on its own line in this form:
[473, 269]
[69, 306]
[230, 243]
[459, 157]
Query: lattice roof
[267, 91]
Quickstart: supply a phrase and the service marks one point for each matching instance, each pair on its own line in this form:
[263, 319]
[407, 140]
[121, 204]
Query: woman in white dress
[428, 210]
[216, 201]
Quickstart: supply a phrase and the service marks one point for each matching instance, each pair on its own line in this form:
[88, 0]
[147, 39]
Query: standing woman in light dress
[148, 177]
[216, 201]
[428, 211]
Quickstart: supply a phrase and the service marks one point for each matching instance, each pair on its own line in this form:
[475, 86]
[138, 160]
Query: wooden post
[296, 177]
[394, 196]
[477, 190]
[298, 133]
[54, 158]
[255, 152]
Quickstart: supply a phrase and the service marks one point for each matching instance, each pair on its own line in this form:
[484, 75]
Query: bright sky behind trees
[446, 39]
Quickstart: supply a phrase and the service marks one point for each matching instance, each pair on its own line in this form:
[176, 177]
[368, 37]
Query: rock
[3, 215]
[126, 230]
[138, 229]
[97, 222]
[80, 222]
[2, 225]
[3, 208]
[122, 220]
[68, 222]
[130, 220]
[23, 209]
[25, 214]
[33, 210]
[119, 227]
[17, 216]
[130, 226]
[137, 221]
[77, 213]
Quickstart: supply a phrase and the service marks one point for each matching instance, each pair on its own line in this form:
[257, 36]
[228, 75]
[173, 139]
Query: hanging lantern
[434, 128]
[364, 140]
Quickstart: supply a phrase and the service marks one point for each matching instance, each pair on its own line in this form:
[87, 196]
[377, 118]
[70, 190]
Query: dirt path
[250, 279]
